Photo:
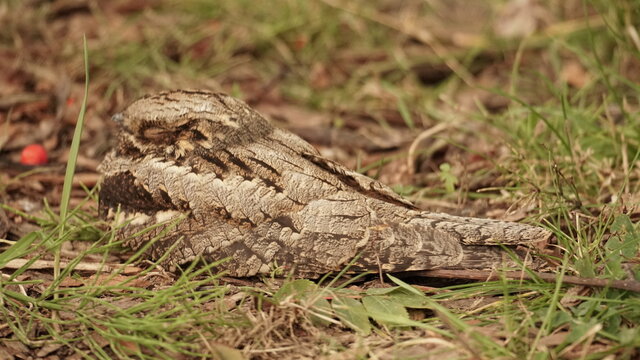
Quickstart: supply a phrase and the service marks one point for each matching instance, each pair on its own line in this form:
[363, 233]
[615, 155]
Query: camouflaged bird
[264, 198]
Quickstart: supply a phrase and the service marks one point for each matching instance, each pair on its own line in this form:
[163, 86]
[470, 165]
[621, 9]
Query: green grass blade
[75, 144]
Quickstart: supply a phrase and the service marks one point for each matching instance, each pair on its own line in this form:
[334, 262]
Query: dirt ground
[416, 94]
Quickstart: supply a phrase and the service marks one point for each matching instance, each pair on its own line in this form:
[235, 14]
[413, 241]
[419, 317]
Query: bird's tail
[475, 231]
[481, 239]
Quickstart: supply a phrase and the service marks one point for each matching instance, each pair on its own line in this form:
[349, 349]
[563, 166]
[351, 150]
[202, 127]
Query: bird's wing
[358, 182]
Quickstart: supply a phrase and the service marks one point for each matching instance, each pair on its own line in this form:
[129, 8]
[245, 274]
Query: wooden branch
[81, 266]
[487, 275]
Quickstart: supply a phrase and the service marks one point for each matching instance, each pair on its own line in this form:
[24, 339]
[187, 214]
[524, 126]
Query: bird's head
[175, 123]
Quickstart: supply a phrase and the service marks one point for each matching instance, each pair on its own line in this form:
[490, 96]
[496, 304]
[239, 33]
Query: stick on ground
[487, 275]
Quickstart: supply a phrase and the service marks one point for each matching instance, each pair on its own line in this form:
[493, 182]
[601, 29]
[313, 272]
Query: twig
[237, 282]
[430, 132]
[9, 101]
[89, 179]
[487, 275]
[81, 266]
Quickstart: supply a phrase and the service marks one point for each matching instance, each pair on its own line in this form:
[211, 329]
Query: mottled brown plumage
[264, 197]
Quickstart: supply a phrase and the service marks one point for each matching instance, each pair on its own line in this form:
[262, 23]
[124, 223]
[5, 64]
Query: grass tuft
[541, 128]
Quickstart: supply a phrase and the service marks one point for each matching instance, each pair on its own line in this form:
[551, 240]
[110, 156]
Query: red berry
[34, 154]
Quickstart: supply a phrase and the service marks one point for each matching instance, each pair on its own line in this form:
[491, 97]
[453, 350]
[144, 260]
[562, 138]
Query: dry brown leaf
[520, 18]
[574, 74]
[554, 339]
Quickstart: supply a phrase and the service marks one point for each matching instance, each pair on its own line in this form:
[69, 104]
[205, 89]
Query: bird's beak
[117, 118]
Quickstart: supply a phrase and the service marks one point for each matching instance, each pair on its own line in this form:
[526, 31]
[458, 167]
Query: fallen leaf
[574, 74]
[520, 18]
[224, 352]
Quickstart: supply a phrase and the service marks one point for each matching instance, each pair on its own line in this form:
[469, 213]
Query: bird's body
[263, 197]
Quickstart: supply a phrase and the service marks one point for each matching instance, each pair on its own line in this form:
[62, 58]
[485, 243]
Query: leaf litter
[363, 105]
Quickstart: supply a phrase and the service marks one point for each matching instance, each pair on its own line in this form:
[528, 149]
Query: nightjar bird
[234, 186]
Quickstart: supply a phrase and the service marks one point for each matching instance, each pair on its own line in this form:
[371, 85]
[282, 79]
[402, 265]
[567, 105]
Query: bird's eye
[170, 133]
[155, 133]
